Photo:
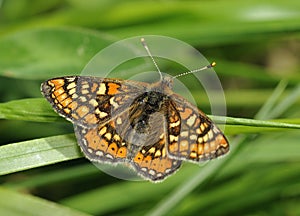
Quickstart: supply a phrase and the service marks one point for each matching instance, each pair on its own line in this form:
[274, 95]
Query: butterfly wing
[89, 101]
[102, 143]
[151, 160]
[99, 111]
[192, 135]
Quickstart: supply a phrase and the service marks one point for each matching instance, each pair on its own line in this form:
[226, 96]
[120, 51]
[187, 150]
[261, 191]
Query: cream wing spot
[113, 103]
[205, 138]
[152, 150]
[84, 91]
[119, 121]
[102, 89]
[175, 124]
[103, 130]
[157, 153]
[71, 85]
[93, 102]
[184, 133]
[210, 134]
[117, 137]
[70, 79]
[103, 114]
[72, 91]
[191, 120]
[193, 137]
[108, 136]
[173, 138]
[85, 86]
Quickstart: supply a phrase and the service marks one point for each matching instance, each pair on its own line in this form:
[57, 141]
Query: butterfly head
[165, 81]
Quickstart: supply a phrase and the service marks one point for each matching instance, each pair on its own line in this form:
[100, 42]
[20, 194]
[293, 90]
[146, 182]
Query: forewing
[192, 135]
[89, 101]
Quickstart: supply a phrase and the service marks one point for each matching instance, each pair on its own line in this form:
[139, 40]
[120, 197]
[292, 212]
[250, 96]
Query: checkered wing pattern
[144, 125]
[110, 122]
[192, 135]
[102, 143]
[90, 101]
[152, 161]
[98, 108]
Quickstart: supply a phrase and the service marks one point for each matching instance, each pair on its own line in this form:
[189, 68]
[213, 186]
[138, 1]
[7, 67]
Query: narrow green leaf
[272, 100]
[40, 111]
[35, 109]
[287, 102]
[39, 152]
[209, 170]
[53, 177]
[14, 204]
[254, 123]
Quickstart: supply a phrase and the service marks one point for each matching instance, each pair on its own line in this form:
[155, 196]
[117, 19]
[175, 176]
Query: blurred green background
[256, 45]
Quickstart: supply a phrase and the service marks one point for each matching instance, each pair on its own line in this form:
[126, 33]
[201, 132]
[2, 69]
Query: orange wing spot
[58, 92]
[67, 110]
[207, 148]
[173, 147]
[74, 116]
[155, 164]
[112, 88]
[82, 111]
[112, 149]
[163, 165]
[147, 162]
[73, 105]
[173, 117]
[138, 158]
[103, 145]
[57, 82]
[184, 145]
[193, 147]
[122, 152]
[200, 149]
[186, 113]
[94, 87]
[222, 141]
[66, 102]
[193, 155]
[62, 97]
[197, 122]
[91, 118]
[112, 123]
[93, 139]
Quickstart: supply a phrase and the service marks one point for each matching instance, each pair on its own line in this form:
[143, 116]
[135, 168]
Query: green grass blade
[253, 122]
[39, 152]
[13, 203]
[35, 109]
[39, 110]
[53, 177]
[272, 100]
[184, 189]
[287, 102]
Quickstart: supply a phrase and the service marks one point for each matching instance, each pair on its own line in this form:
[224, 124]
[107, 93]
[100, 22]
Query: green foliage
[256, 47]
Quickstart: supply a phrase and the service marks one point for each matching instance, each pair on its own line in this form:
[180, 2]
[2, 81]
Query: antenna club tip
[213, 64]
[142, 40]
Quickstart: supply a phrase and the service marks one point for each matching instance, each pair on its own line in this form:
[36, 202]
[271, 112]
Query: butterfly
[147, 126]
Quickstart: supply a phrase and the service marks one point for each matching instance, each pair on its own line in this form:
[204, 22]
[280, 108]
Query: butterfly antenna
[197, 70]
[149, 53]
